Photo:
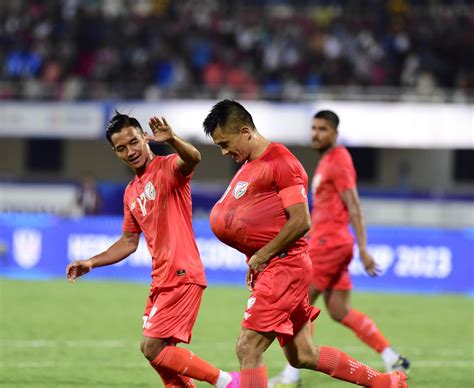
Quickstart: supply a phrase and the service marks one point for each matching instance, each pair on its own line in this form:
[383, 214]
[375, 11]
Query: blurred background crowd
[264, 49]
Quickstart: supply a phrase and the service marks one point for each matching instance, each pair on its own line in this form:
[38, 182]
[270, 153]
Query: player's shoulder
[127, 193]
[341, 153]
[280, 150]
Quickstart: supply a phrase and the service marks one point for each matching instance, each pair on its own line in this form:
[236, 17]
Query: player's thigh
[338, 303]
[300, 350]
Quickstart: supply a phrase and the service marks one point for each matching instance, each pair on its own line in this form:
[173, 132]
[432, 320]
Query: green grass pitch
[55, 334]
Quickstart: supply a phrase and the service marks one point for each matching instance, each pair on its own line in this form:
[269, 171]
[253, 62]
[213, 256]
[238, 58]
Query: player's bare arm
[297, 225]
[351, 200]
[189, 156]
[121, 249]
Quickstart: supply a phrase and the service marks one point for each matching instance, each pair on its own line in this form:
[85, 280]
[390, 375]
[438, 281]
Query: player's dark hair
[119, 122]
[329, 116]
[228, 115]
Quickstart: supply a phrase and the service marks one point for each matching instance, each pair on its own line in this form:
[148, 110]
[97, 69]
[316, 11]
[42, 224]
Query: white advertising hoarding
[363, 124]
[55, 120]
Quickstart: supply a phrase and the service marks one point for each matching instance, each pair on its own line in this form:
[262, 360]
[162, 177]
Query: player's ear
[246, 132]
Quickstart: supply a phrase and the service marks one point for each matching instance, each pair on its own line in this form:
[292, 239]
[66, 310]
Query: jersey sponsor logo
[240, 189]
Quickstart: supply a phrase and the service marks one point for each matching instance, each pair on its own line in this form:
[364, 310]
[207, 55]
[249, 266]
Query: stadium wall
[420, 260]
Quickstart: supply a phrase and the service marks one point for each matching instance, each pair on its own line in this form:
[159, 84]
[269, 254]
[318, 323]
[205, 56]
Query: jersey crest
[240, 189]
[150, 191]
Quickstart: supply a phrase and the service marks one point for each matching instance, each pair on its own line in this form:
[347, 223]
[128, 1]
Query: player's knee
[242, 350]
[246, 352]
[337, 314]
[306, 359]
[151, 349]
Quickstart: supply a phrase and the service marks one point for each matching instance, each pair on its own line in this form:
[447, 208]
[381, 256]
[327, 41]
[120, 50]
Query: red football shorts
[279, 300]
[331, 268]
[171, 312]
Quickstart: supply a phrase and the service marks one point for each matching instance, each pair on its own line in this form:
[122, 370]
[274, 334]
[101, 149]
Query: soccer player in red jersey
[335, 205]
[264, 214]
[157, 202]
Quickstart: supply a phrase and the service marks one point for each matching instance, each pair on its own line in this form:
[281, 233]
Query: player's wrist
[171, 140]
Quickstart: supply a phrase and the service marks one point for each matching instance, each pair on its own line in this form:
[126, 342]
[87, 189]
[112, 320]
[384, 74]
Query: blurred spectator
[89, 199]
[77, 49]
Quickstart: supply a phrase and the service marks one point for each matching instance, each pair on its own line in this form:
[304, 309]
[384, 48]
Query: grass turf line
[87, 334]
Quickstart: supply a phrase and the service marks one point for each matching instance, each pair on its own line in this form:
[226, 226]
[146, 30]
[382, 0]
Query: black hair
[329, 116]
[227, 114]
[119, 122]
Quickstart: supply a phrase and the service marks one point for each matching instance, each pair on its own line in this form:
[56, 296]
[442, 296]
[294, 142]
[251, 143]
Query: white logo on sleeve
[303, 193]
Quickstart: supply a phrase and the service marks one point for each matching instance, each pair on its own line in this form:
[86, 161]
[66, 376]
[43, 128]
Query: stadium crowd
[96, 49]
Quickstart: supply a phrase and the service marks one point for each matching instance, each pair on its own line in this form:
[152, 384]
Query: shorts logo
[303, 192]
[247, 315]
[150, 191]
[251, 302]
[240, 189]
[146, 318]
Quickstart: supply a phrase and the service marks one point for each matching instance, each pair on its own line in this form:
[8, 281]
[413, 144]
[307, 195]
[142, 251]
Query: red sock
[338, 364]
[366, 330]
[186, 363]
[172, 380]
[254, 378]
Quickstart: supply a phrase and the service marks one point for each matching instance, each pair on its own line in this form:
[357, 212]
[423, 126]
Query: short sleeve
[343, 173]
[291, 179]
[172, 170]
[129, 222]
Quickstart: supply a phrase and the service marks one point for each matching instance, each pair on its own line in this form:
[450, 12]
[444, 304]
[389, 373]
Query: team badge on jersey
[150, 191]
[240, 189]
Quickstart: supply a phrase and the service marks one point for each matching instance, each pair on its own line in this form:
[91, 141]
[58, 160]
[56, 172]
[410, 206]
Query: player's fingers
[158, 121]
[71, 274]
[165, 122]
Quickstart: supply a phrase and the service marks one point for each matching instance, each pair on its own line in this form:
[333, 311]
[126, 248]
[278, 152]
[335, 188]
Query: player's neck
[326, 150]
[140, 171]
[259, 147]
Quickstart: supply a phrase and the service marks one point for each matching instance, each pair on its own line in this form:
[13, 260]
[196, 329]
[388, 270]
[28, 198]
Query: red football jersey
[330, 219]
[158, 203]
[251, 212]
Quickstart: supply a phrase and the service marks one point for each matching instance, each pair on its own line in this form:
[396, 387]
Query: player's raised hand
[162, 131]
[369, 263]
[77, 268]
